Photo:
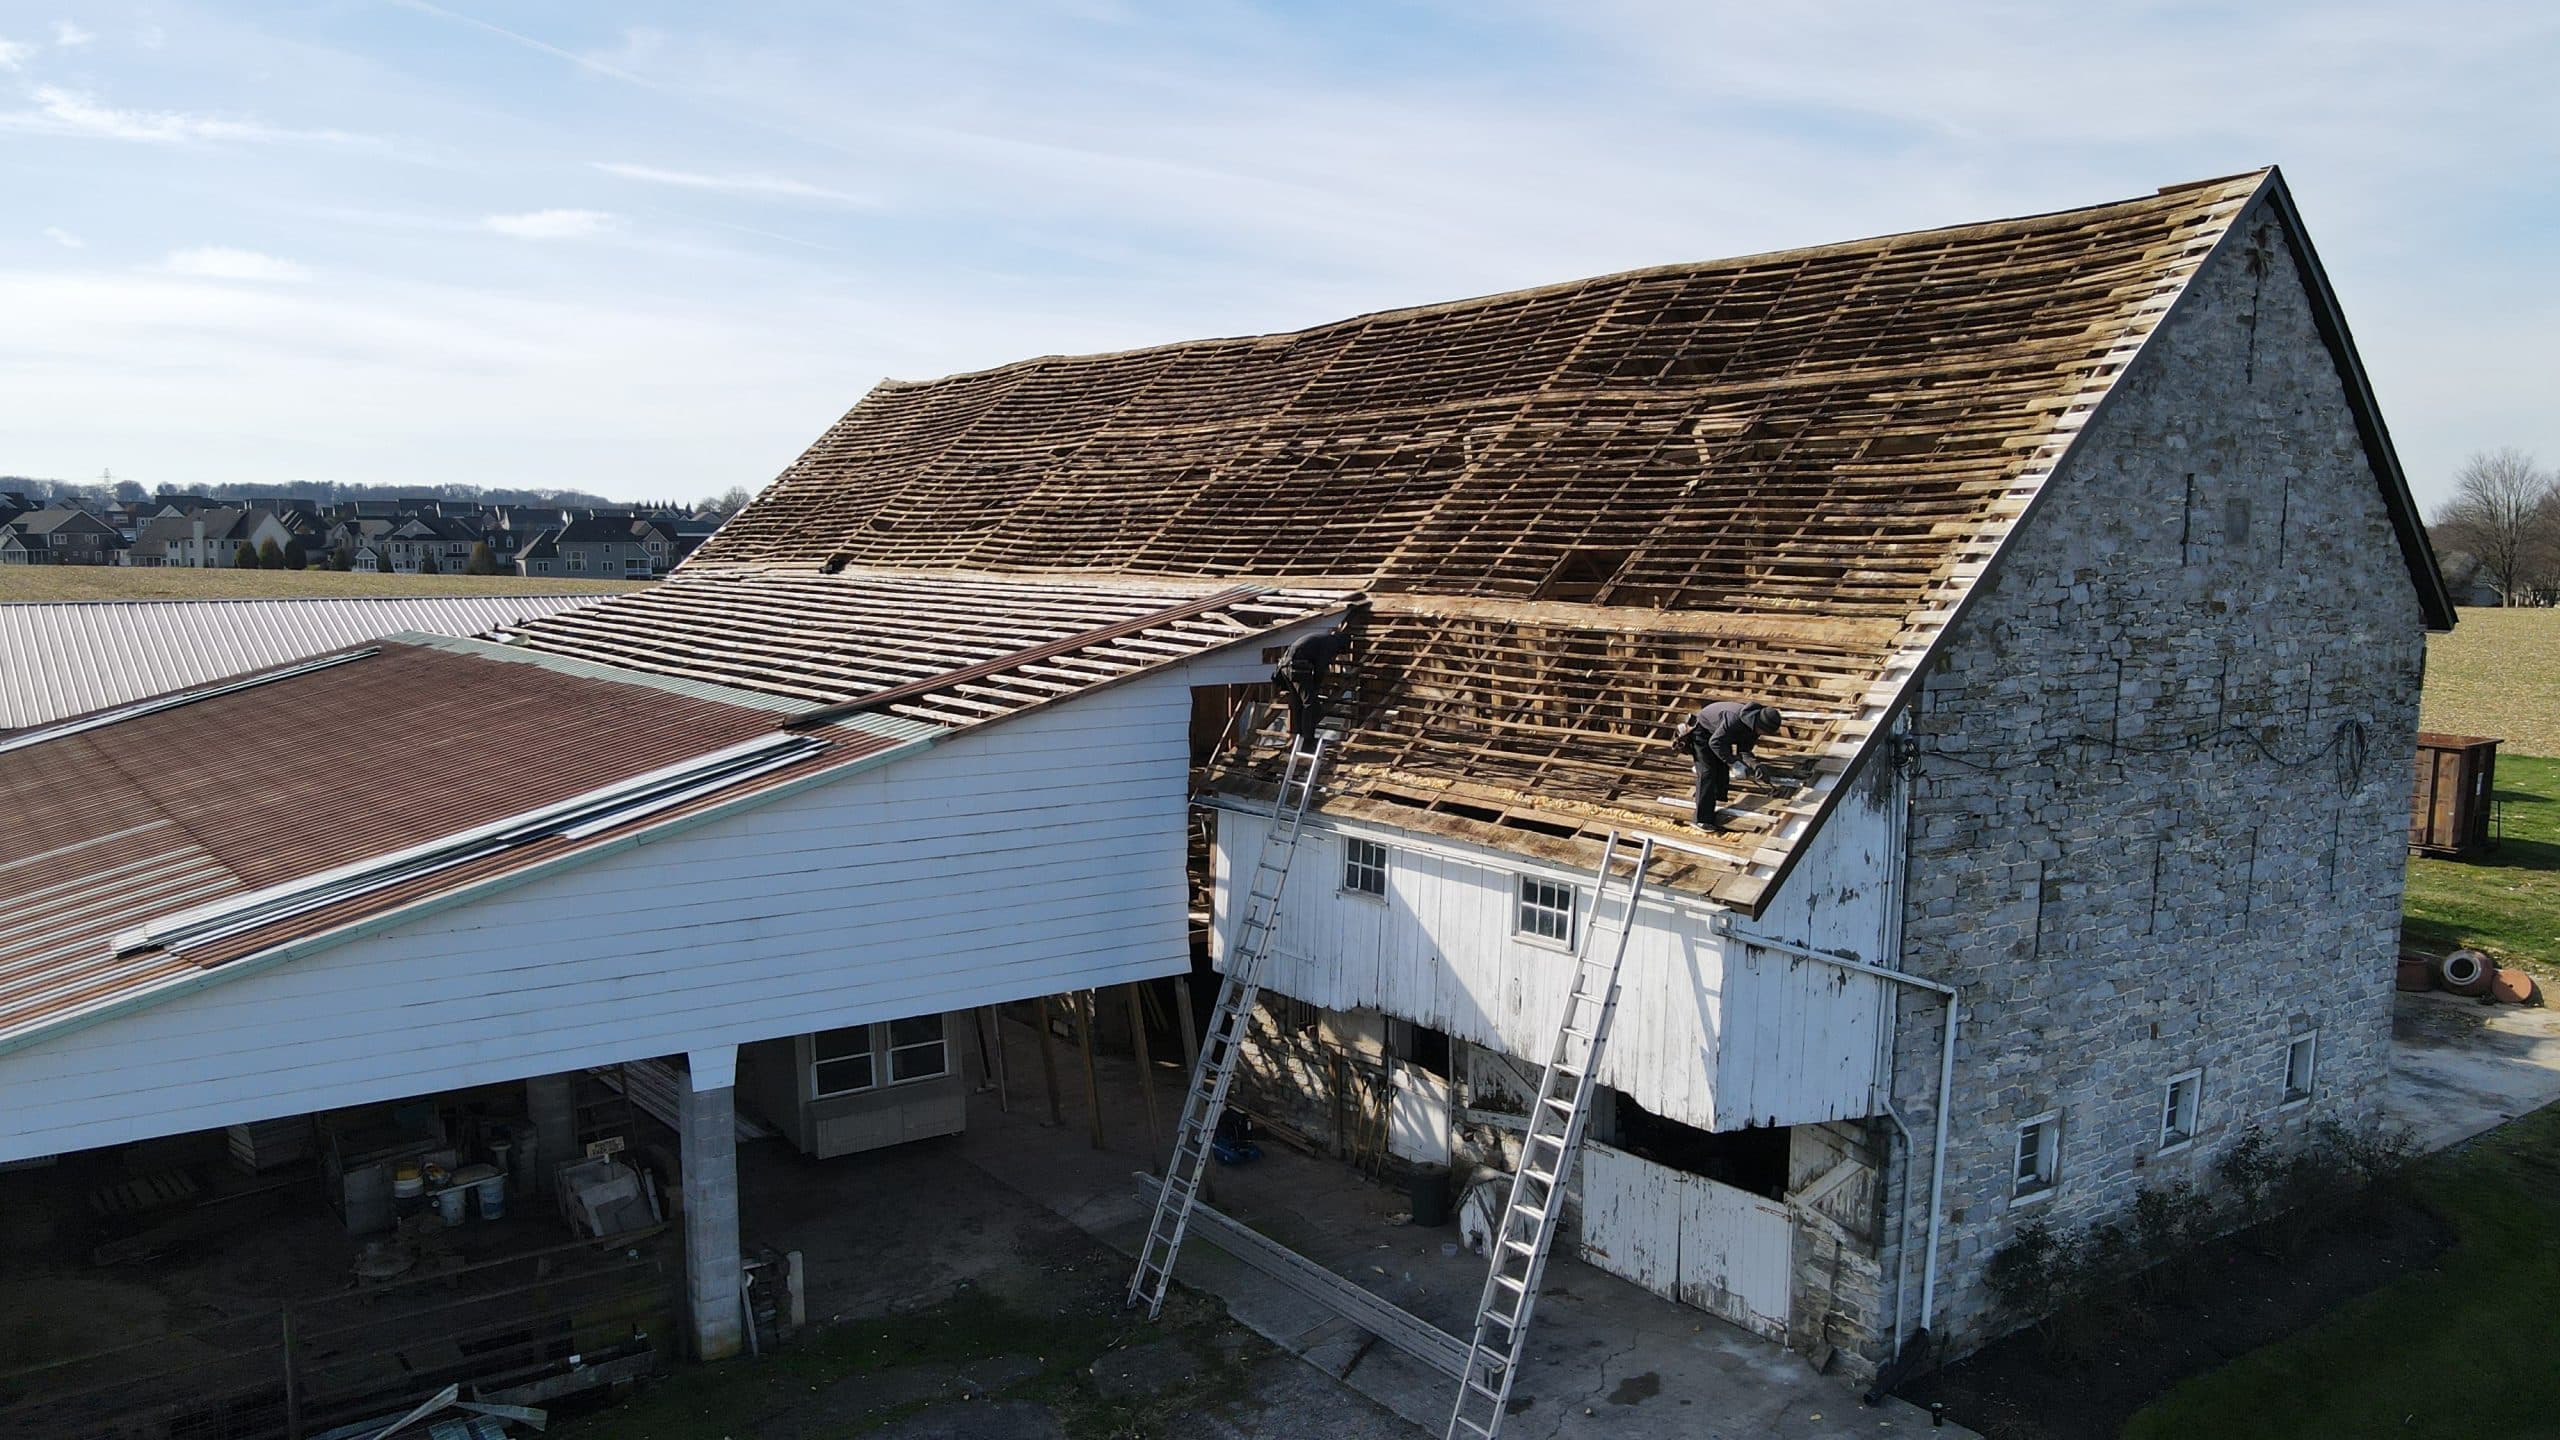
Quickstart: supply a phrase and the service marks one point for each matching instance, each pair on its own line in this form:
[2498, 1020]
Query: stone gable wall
[2159, 807]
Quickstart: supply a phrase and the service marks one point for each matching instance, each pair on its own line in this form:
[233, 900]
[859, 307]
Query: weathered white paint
[1709, 1033]
[1687, 1238]
[1040, 854]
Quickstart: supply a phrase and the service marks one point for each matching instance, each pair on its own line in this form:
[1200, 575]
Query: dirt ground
[948, 1306]
[2240, 1293]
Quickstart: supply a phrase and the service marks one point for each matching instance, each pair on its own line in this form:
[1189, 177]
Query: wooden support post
[1146, 1078]
[1049, 1063]
[292, 1382]
[1083, 1002]
[1190, 1027]
[1004, 1077]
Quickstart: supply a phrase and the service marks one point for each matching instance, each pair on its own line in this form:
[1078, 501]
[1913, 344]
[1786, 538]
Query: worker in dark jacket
[1719, 739]
[1306, 668]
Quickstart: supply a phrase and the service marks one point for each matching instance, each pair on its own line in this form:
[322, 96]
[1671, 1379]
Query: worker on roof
[1307, 666]
[1719, 739]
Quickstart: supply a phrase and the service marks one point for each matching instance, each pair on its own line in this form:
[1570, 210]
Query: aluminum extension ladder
[1216, 1070]
[1556, 1119]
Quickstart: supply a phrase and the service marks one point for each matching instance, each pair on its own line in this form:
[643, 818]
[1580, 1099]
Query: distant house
[60, 536]
[539, 555]
[591, 549]
[369, 559]
[207, 539]
[418, 540]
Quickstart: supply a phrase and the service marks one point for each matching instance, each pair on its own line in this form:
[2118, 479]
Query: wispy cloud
[63, 238]
[216, 262]
[69, 112]
[552, 224]
[778, 186]
[13, 53]
[70, 36]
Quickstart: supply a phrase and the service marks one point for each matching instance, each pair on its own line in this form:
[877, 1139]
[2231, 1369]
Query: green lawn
[2461, 1353]
[2507, 901]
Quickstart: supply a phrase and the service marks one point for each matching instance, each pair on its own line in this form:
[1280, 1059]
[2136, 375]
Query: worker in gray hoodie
[1719, 739]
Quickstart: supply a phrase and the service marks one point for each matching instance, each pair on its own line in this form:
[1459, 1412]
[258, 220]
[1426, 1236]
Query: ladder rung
[1543, 1177]
[1523, 1246]
[1517, 1287]
[1558, 1102]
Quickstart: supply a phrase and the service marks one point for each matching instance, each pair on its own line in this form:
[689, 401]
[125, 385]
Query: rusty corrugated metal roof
[70, 658]
[141, 819]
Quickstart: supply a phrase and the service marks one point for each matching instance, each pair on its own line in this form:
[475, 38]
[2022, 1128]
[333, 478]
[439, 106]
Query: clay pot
[2415, 974]
[2514, 987]
[2465, 972]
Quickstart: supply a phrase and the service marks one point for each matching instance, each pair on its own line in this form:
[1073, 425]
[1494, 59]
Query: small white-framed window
[2301, 1068]
[1364, 867]
[2039, 1157]
[577, 559]
[917, 1050]
[840, 1062]
[1545, 911]
[2178, 1110]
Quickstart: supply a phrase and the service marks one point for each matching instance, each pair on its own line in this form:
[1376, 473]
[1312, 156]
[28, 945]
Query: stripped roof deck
[962, 649]
[1584, 508]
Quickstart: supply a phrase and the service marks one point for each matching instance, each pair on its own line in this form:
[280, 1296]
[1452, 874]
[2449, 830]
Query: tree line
[2505, 515]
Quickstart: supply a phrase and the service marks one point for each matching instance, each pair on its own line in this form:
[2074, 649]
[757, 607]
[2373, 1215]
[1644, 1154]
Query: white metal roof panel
[68, 658]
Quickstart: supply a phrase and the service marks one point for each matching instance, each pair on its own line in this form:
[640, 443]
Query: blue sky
[651, 251]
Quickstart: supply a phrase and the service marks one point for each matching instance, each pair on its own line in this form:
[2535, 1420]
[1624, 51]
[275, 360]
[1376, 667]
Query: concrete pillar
[551, 1103]
[712, 1270]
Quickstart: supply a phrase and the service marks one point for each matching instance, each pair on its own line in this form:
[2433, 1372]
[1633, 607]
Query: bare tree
[2505, 510]
[728, 502]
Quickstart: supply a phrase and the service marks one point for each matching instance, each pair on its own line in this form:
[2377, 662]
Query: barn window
[1545, 910]
[2301, 1059]
[2178, 1111]
[2039, 1157]
[917, 1050]
[840, 1062]
[1364, 867]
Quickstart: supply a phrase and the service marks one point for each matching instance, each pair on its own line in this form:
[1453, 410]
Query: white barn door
[1687, 1238]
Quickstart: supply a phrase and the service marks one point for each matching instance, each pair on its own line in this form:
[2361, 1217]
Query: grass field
[2507, 901]
[2497, 672]
[112, 582]
[2459, 1353]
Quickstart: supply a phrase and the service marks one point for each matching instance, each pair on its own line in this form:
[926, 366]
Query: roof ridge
[1863, 244]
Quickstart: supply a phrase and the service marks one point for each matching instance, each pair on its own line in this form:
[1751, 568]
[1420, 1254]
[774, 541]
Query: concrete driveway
[2459, 1067]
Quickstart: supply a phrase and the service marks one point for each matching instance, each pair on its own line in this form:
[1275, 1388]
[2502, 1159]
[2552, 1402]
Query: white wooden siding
[1708, 1033]
[1038, 855]
[1687, 1238]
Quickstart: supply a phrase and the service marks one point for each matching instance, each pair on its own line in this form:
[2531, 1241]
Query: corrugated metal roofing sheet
[64, 659]
[271, 784]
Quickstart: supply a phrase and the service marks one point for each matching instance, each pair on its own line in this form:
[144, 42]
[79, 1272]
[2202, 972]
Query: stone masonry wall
[2158, 816]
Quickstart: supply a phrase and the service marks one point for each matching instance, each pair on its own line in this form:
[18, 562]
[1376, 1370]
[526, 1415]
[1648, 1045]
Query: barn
[2072, 546]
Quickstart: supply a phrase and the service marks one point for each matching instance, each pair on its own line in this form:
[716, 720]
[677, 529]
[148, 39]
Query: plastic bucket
[1431, 1196]
[493, 1196]
[449, 1204]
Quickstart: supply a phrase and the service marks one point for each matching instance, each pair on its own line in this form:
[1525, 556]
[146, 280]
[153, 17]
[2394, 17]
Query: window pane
[915, 1030]
[915, 1062]
[2028, 1145]
[841, 1077]
[837, 1044]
